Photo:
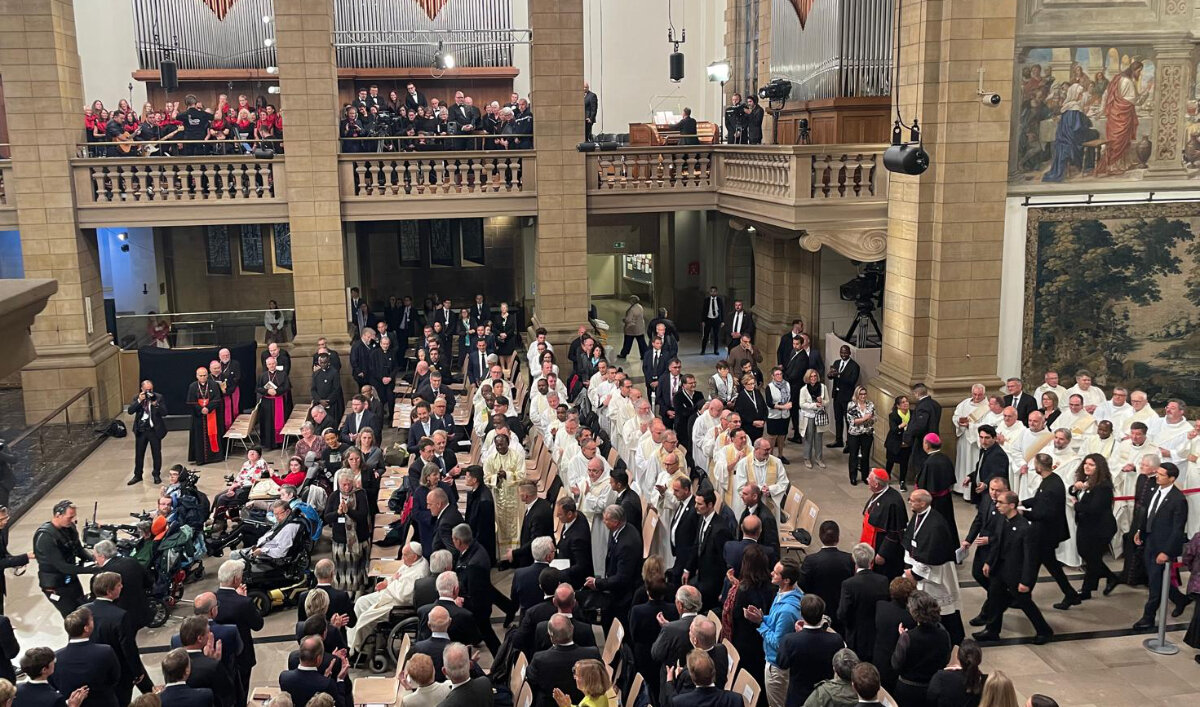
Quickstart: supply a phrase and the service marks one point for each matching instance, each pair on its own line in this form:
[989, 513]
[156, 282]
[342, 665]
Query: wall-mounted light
[443, 59]
[266, 19]
[273, 70]
[273, 90]
[268, 42]
[122, 236]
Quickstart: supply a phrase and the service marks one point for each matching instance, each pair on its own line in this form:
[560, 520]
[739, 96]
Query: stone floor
[1095, 661]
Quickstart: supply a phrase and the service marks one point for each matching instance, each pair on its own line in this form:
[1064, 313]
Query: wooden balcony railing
[778, 179]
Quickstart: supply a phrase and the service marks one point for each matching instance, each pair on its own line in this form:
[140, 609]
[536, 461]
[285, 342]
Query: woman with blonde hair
[998, 691]
[812, 399]
[591, 679]
[346, 514]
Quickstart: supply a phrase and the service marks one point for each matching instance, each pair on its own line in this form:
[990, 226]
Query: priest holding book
[275, 398]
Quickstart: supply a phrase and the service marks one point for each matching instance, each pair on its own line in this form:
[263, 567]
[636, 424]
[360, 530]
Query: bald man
[148, 430]
[204, 402]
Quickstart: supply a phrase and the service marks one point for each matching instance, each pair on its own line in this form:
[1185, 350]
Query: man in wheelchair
[394, 592]
[277, 547]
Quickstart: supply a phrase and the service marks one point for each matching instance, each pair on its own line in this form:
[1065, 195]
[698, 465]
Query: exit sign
[618, 245]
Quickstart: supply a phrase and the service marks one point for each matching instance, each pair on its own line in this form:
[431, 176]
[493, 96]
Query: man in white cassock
[967, 417]
[1010, 435]
[595, 495]
[1066, 462]
[766, 471]
[1093, 396]
[597, 383]
[725, 462]
[396, 590]
[1142, 412]
[1035, 439]
[1050, 385]
[1116, 410]
[647, 446]
[618, 407]
[565, 444]
[635, 428]
[1077, 420]
[577, 468]
[1191, 480]
[1128, 456]
[669, 460]
[708, 420]
[1174, 437]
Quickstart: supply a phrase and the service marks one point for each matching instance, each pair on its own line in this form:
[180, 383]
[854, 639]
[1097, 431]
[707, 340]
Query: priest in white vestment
[725, 463]
[1050, 384]
[1010, 435]
[1036, 439]
[669, 460]
[1116, 410]
[702, 432]
[396, 590]
[1074, 418]
[764, 470]
[647, 446]
[1142, 412]
[595, 495]
[634, 429]
[1093, 396]
[566, 444]
[1192, 480]
[1066, 463]
[967, 417]
[596, 383]
[1128, 456]
[577, 468]
[1174, 438]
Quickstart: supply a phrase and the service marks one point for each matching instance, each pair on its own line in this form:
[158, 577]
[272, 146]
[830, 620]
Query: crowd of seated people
[414, 122]
[227, 129]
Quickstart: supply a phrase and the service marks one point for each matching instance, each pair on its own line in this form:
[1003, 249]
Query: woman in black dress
[655, 596]
[959, 684]
[779, 398]
[753, 589]
[507, 339]
[346, 513]
[1050, 409]
[920, 652]
[893, 444]
[752, 407]
[1095, 525]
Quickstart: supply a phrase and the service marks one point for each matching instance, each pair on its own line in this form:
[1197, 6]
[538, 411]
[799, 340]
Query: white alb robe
[594, 497]
[1066, 463]
[966, 450]
[1092, 396]
[751, 469]
[374, 607]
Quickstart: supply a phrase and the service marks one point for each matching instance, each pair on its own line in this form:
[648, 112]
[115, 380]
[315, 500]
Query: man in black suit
[685, 406]
[740, 324]
[1161, 536]
[712, 316]
[993, 463]
[474, 576]
[1013, 568]
[207, 671]
[823, 572]
[306, 681]
[425, 589]
[574, 542]
[439, 638]
[234, 608]
[564, 605]
[83, 663]
[981, 534]
[9, 649]
[751, 495]
[591, 107]
[465, 690]
[207, 605]
[925, 418]
[358, 418]
[704, 692]
[526, 591]
[360, 358]
[6, 559]
[436, 388]
[554, 594]
[554, 668]
[339, 600]
[176, 668]
[654, 365]
[706, 568]
[1046, 512]
[445, 518]
[702, 636]
[673, 642]
[844, 375]
[687, 128]
[807, 654]
[683, 527]
[859, 596]
[751, 531]
[538, 521]
[477, 362]
[627, 498]
[37, 691]
[794, 368]
[481, 511]
[783, 352]
[463, 627]
[135, 580]
[149, 428]
[117, 629]
[1019, 400]
[622, 566]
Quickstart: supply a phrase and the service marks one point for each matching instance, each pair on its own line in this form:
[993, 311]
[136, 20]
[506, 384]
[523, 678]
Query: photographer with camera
[149, 428]
[752, 122]
[735, 121]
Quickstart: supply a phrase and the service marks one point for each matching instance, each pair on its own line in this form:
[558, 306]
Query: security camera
[989, 99]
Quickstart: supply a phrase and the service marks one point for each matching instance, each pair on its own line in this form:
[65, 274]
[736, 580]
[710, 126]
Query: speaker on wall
[168, 74]
[676, 66]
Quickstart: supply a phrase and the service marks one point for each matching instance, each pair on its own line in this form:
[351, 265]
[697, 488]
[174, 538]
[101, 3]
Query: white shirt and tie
[712, 307]
[736, 324]
[1159, 497]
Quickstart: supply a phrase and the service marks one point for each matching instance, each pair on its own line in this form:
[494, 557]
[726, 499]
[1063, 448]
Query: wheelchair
[274, 583]
[383, 648]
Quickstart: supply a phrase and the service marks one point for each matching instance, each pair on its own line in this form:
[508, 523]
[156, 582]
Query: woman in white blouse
[725, 388]
[813, 398]
[273, 320]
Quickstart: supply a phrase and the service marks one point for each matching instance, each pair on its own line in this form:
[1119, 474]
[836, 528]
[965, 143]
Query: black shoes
[846, 450]
[1180, 607]
[1110, 585]
[784, 460]
[157, 479]
[985, 636]
[1084, 596]
[1143, 624]
[1042, 639]
[903, 486]
[134, 481]
[854, 482]
[979, 620]
[1068, 602]
[834, 445]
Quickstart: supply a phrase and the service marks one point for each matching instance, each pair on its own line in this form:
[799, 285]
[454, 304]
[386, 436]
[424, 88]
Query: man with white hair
[726, 460]
[702, 432]
[465, 691]
[1010, 434]
[1050, 385]
[1142, 412]
[396, 590]
[577, 467]
[565, 445]
[635, 427]
[1035, 439]
[764, 470]
[1116, 411]
[967, 417]
[669, 461]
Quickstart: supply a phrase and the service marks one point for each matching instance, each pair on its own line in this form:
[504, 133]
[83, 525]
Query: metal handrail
[65, 407]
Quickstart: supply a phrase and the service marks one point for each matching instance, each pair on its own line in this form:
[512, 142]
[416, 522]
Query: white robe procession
[594, 497]
[1125, 484]
[1066, 463]
[724, 464]
[966, 453]
[703, 436]
[770, 474]
[1032, 444]
[1092, 396]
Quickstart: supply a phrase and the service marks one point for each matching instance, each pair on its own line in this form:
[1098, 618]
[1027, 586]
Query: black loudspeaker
[676, 66]
[906, 159]
[168, 74]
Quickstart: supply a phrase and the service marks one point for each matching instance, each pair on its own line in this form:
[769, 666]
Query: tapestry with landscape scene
[1116, 290]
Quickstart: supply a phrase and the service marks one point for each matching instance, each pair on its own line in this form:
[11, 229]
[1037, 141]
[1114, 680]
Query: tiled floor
[1078, 670]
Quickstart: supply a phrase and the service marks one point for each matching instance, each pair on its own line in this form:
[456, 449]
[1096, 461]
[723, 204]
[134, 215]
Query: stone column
[1173, 72]
[946, 227]
[43, 97]
[787, 282]
[308, 98]
[560, 261]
